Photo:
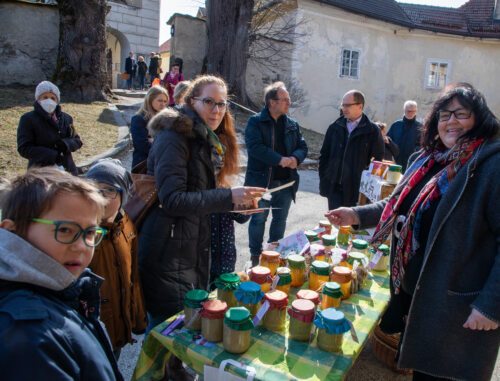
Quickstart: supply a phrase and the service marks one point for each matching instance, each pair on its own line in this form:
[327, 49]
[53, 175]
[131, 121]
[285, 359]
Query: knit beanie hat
[111, 172]
[46, 86]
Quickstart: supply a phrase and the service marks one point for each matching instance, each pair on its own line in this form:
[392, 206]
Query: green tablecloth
[273, 355]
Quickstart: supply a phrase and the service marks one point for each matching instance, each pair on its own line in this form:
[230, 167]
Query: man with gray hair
[406, 133]
[275, 149]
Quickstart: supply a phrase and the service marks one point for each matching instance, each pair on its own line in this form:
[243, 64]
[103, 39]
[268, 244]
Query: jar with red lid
[301, 314]
[212, 319]
[310, 295]
[262, 276]
[271, 260]
[275, 317]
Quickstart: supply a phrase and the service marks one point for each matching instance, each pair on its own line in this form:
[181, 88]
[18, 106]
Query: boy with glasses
[115, 259]
[49, 300]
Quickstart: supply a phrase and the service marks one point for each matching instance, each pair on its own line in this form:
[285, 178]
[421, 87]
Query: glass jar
[248, 295]
[237, 329]
[311, 235]
[297, 265]
[331, 296]
[310, 295]
[344, 236]
[325, 224]
[332, 325]
[329, 242]
[226, 285]
[353, 257]
[318, 274]
[192, 306]
[271, 260]
[301, 315]
[262, 276]
[275, 317]
[212, 319]
[285, 279]
[343, 276]
[394, 173]
[317, 252]
[383, 262]
[361, 246]
[338, 256]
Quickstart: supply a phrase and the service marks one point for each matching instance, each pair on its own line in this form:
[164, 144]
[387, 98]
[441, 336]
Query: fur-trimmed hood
[172, 119]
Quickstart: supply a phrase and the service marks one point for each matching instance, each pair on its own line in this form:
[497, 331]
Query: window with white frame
[349, 65]
[437, 73]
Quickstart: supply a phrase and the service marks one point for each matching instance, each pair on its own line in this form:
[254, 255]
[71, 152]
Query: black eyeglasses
[211, 103]
[68, 232]
[346, 105]
[461, 113]
[110, 192]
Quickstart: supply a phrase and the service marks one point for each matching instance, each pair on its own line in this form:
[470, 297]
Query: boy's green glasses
[68, 232]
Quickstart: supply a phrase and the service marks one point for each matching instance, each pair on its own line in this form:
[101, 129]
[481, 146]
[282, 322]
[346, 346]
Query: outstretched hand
[342, 216]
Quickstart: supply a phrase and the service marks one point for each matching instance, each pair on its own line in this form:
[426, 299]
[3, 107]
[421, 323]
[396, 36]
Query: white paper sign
[375, 259]
[276, 279]
[260, 313]
[294, 242]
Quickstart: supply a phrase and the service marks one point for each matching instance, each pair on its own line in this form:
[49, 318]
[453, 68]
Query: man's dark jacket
[130, 66]
[406, 134]
[262, 157]
[343, 157]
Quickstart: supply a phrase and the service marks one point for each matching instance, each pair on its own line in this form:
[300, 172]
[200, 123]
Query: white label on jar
[260, 313]
[276, 279]
[375, 259]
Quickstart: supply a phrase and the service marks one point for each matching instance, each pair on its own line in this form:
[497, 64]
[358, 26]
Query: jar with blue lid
[248, 295]
[331, 324]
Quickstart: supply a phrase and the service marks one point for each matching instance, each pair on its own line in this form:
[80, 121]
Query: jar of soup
[331, 296]
[343, 276]
[343, 236]
[262, 276]
[394, 173]
[383, 262]
[212, 319]
[353, 257]
[310, 295]
[237, 329]
[297, 265]
[192, 306]
[226, 285]
[318, 274]
[332, 325]
[317, 252]
[275, 317]
[285, 280]
[325, 224]
[338, 256]
[271, 260]
[301, 314]
[361, 246]
[248, 295]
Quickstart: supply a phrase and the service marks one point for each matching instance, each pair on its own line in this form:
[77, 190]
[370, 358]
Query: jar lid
[193, 298]
[228, 281]
[282, 271]
[238, 318]
[395, 168]
[249, 287]
[329, 239]
[325, 223]
[384, 249]
[213, 309]
[332, 289]
[303, 306]
[260, 274]
[311, 235]
[332, 314]
[320, 268]
[311, 295]
[345, 229]
[277, 298]
[355, 256]
[230, 278]
[249, 293]
[332, 321]
[344, 273]
[271, 256]
[359, 244]
[296, 261]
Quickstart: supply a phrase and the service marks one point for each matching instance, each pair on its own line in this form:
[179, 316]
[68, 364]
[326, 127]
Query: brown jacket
[122, 303]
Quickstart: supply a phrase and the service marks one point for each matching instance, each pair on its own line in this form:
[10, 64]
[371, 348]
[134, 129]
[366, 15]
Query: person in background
[49, 300]
[130, 69]
[180, 92]
[156, 99]
[46, 136]
[171, 79]
[142, 69]
[406, 133]
[444, 221]
[391, 148]
[115, 259]
[154, 67]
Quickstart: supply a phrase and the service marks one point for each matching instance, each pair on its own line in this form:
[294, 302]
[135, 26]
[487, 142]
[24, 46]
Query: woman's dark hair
[486, 124]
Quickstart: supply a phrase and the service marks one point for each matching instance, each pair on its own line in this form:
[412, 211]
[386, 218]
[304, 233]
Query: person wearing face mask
[46, 136]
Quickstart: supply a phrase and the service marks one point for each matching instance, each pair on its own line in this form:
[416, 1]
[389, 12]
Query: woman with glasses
[445, 225]
[49, 299]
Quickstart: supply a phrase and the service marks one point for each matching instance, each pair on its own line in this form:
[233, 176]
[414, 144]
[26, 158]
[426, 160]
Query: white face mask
[48, 105]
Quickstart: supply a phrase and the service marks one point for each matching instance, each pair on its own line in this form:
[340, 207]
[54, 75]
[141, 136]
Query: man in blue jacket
[275, 149]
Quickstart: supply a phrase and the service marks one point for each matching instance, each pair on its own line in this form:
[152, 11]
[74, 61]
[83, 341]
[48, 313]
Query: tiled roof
[165, 47]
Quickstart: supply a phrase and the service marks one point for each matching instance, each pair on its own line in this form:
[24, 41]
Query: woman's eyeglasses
[68, 232]
[211, 103]
[445, 115]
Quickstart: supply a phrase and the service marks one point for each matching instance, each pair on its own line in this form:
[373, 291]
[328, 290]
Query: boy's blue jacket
[49, 326]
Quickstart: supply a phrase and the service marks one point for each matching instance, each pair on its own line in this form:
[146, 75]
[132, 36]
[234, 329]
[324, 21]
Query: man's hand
[284, 162]
[293, 162]
[478, 321]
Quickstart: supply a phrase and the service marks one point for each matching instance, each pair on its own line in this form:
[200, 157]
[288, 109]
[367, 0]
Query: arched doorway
[119, 46]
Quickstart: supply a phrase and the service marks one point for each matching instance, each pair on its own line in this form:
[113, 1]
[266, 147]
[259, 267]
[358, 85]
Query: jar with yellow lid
[285, 280]
[275, 317]
[343, 236]
[383, 262]
[353, 257]
[319, 274]
[331, 295]
[343, 276]
[311, 235]
[331, 325]
[271, 260]
[361, 246]
[317, 252]
[297, 265]
[301, 314]
[262, 276]
[310, 295]
[212, 320]
[226, 285]
[325, 224]
[248, 295]
[237, 330]
[192, 305]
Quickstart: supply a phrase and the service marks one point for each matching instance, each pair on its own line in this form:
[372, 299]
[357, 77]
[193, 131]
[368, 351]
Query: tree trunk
[81, 71]
[228, 24]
